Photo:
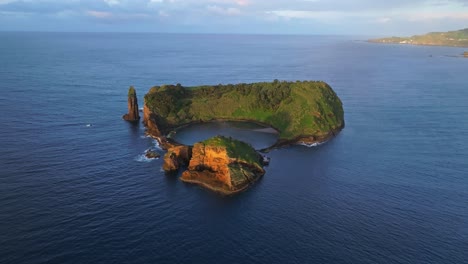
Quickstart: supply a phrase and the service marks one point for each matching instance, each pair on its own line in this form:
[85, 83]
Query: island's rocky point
[132, 101]
[224, 165]
[302, 112]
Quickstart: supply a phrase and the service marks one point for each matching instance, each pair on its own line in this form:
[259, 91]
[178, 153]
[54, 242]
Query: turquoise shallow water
[390, 188]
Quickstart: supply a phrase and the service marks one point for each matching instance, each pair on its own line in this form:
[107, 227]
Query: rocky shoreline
[154, 131]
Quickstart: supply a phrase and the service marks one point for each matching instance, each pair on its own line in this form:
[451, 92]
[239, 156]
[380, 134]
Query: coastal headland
[458, 38]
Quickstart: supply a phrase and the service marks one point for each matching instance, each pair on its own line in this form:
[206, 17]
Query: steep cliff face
[224, 165]
[132, 115]
[149, 119]
[176, 157]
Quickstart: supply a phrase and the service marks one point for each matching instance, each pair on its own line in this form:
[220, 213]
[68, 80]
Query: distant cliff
[307, 112]
[457, 38]
[132, 115]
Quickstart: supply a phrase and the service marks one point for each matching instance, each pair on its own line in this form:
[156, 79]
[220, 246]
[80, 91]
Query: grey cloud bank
[363, 17]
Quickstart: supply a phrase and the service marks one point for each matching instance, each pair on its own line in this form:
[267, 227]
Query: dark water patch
[258, 136]
[390, 188]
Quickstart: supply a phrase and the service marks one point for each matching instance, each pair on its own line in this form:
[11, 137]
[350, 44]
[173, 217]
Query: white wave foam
[156, 144]
[142, 158]
[315, 144]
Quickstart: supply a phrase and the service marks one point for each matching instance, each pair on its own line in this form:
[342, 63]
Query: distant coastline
[457, 38]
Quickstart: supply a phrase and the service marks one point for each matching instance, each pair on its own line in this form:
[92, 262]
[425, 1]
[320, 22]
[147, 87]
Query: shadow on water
[219, 203]
[256, 135]
[135, 128]
[173, 178]
[171, 181]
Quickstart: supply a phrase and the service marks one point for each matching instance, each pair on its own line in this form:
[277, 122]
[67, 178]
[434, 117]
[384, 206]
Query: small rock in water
[151, 154]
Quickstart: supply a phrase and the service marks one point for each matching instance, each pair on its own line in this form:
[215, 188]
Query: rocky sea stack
[221, 164]
[465, 54]
[133, 114]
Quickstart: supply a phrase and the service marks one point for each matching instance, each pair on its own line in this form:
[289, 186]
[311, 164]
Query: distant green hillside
[296, 109]
[457, 38]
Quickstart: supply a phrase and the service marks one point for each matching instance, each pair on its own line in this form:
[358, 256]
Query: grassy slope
[236, 149]
[294, 108]
[242, 152]
[131, 91]
[457, 38]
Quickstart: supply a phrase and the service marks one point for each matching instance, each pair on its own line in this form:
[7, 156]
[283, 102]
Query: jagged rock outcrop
[176, 157]
[465, 54]
[224, 165]
[152, 154]
[132, 115]
[149, 119]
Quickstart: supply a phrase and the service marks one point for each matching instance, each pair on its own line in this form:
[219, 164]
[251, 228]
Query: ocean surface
[392, 187]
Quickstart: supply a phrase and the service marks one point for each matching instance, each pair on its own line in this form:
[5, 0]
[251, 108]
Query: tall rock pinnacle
[133, 115]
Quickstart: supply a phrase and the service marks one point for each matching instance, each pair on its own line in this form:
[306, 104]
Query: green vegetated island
[302, 112]
[458, 38]
[307, 111]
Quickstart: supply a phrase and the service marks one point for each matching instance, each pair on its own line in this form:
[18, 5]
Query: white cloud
[229, 11]
[383, 20]
[112, 2]
[99, 14]
[163, 13]
[257, 15]
[304, 14]
[430, 16]
[231, 2]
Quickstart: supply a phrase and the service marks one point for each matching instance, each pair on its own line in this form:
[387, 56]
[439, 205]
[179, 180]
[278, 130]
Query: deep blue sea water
[392, 187]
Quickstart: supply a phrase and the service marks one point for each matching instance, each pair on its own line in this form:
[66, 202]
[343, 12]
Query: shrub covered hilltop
[307, 111]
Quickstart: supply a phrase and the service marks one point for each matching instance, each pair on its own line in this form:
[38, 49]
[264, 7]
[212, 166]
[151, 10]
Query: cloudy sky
[356, 17]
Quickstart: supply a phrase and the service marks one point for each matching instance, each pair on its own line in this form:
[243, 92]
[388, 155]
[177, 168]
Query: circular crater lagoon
[258, 136]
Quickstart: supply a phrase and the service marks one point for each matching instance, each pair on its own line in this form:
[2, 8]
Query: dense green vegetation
[131, 91]
[457, 38]
[236, 149]
[293, 108]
